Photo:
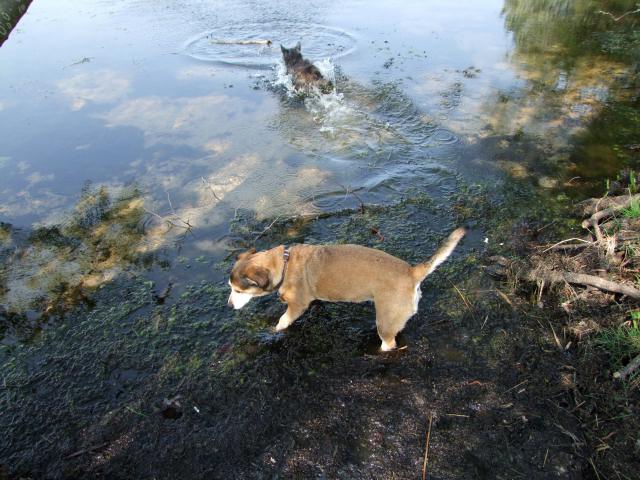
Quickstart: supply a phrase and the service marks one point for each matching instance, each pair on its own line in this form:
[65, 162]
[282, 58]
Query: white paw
[281, 326]
[283, 323]
[387, 347]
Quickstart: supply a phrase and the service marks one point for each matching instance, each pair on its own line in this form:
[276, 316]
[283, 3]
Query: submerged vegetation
[49, 269]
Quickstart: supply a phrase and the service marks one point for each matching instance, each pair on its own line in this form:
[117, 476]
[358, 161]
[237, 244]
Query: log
[592, 205]
[609, 212]
[555, 276]
[628, 370]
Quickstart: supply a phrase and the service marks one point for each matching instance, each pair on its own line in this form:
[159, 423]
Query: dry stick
[555, 337]
[426, 449]
[571, 246]
[464, 300]
[617, 19]
[266, 42]
[85, 450]
[516, 386]
[556, 245]
[628, 370]
[555, 276]
[608, 212]
[592, 205]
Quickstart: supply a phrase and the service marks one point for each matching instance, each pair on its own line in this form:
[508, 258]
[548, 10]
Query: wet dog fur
[304, 74]
[337, 273]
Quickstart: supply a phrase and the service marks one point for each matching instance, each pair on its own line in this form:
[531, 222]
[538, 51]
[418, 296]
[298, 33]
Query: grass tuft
[621, 343]
[633, 210]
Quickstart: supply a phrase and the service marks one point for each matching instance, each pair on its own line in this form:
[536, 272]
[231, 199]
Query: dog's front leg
[294, 310]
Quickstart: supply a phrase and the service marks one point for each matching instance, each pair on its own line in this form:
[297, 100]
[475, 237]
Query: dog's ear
[297, 47]
[284, 50]
[246, 254]
[258, 277]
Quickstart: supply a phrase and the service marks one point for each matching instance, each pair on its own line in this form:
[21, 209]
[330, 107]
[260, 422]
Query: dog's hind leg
[391, 319]
[294, 310]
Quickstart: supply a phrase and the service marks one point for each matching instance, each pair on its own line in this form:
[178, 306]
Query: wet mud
[187, 388]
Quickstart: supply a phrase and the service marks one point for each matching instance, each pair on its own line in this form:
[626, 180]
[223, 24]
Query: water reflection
[573, 70]
[44, 268]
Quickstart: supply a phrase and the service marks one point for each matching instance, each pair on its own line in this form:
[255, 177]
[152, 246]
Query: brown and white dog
[337, 273]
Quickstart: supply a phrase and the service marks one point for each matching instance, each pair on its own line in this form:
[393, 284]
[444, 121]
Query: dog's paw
[387, 347]
[280, 327]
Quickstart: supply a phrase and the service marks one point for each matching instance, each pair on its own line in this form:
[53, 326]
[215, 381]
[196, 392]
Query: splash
[330, 111]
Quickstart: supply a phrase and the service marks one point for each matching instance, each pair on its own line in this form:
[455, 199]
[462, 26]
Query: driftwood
[628, 370]
[592, 205]
[557, 276]
[268, 43]
[598, 213]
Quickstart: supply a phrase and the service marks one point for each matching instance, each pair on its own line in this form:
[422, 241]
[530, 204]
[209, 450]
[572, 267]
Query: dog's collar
[285, 257]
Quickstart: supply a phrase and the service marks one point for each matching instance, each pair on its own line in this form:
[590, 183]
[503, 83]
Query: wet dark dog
[304, 74]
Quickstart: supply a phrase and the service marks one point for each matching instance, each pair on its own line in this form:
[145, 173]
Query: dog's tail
[421, 270]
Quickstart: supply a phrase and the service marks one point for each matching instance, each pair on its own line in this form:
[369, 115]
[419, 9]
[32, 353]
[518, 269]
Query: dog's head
[291, 55]
[251, 276]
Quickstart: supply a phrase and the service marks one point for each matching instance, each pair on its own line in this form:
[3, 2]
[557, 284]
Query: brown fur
[304, 74]
[339, 273]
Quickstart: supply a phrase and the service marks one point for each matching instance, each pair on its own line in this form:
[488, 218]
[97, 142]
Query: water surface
[145, 102]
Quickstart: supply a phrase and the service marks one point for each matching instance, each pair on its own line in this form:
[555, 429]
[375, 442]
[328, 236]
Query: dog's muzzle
[238, 300]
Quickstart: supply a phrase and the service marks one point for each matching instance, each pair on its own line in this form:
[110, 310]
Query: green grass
[633, 210]
[622, 343]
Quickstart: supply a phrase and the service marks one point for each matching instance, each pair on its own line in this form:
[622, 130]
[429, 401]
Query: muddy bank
[134, 387]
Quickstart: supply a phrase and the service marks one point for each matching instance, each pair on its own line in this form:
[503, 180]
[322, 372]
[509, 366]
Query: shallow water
[147, 96]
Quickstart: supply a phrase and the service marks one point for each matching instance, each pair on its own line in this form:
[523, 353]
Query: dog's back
[303, 73]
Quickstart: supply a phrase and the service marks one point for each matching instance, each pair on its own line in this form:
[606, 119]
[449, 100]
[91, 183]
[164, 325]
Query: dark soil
[184, 388]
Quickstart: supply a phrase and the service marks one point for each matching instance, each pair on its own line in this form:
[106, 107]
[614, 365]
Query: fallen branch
[596, 217]
[557, 276]
[617, 19]
[628, 370]
[592, 205]
[559, 246]
[268, 43]
[85, 450]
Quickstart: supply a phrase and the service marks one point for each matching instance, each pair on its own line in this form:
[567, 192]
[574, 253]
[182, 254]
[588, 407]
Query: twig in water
[352, 192]
[426, 449]
[207, 184]
[617, 19]
[266, 229]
